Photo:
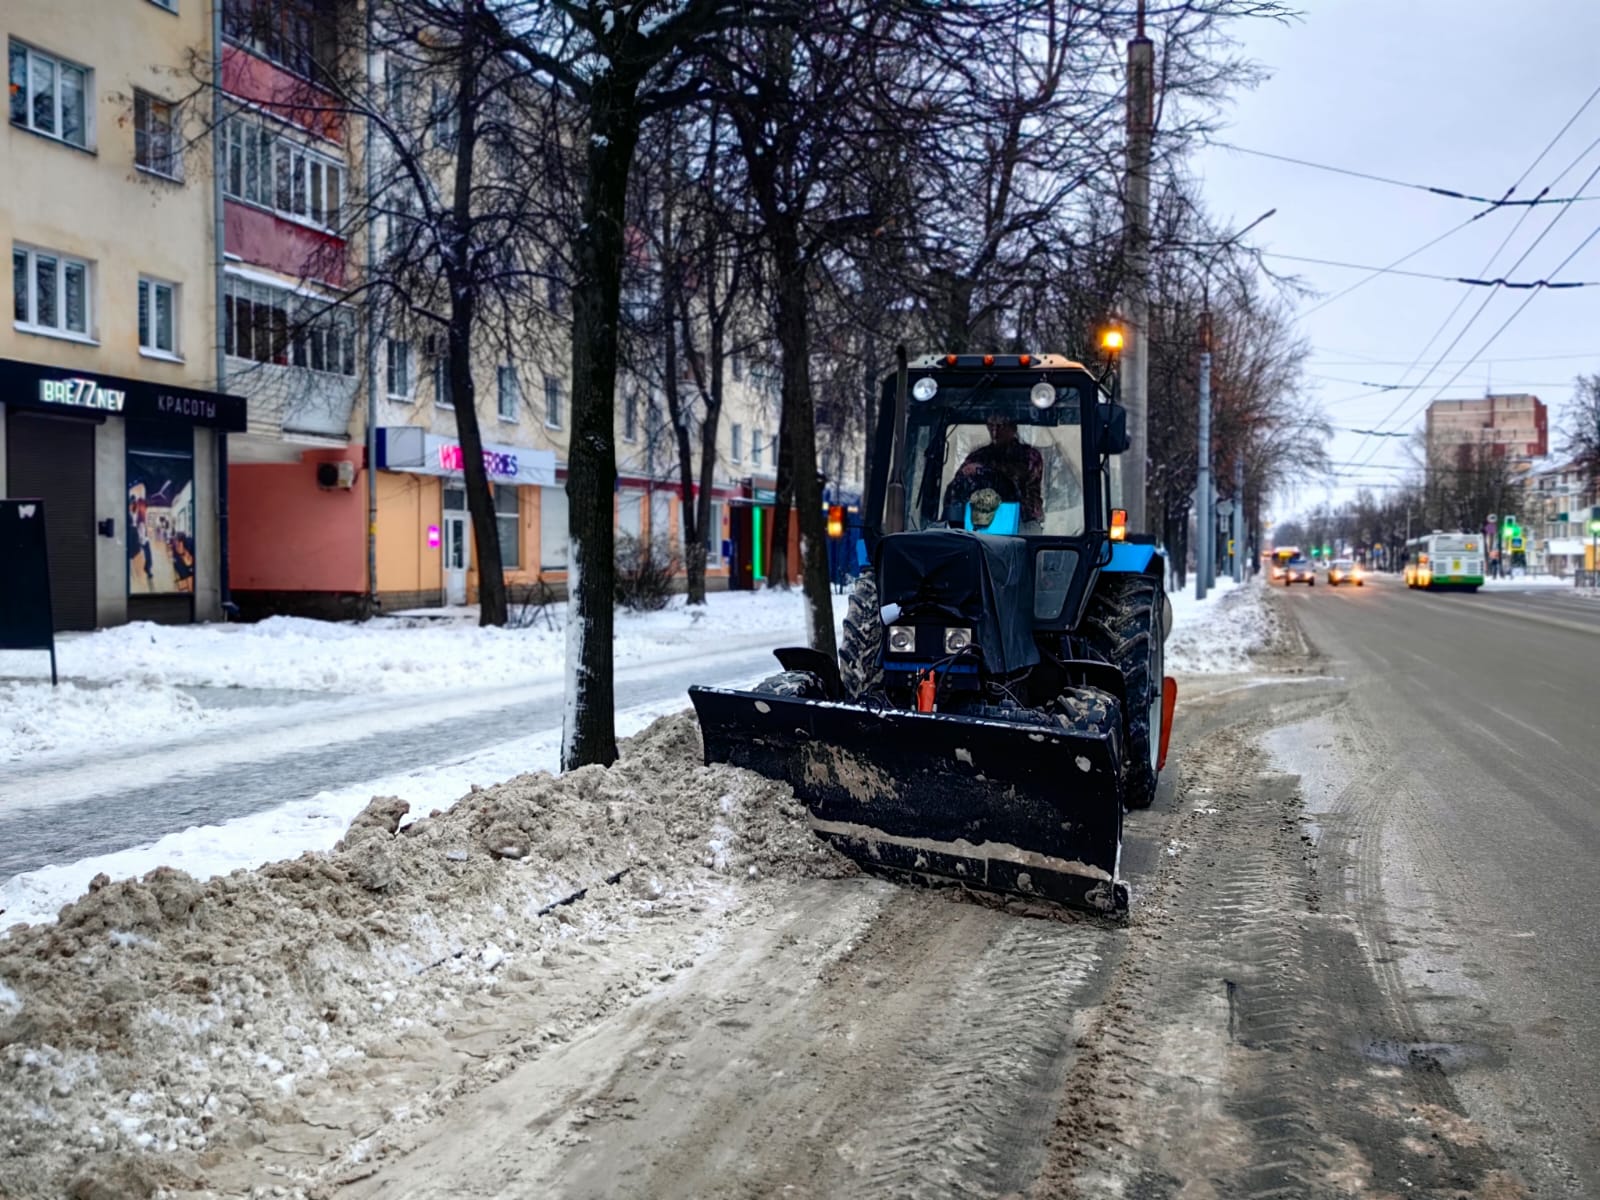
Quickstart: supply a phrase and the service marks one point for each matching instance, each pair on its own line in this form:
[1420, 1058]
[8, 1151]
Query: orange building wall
[407, 506]
[286, 534]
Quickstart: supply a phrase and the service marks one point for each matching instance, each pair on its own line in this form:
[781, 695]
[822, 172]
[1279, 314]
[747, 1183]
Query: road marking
[1479, 608]
[1525, 725]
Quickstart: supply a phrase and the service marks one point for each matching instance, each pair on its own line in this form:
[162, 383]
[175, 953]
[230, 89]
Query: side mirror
[1114, 429]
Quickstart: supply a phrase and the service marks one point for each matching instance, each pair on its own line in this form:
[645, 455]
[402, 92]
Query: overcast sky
[1460, 94]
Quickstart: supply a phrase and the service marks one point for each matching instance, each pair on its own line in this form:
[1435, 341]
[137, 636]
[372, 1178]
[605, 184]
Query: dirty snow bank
[163, 1018]
[1218, 635]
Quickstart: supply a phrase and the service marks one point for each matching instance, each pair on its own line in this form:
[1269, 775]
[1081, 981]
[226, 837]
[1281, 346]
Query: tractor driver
[1008, 465]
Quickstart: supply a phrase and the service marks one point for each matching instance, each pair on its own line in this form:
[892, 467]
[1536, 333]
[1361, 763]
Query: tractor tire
[861, 647]
[801, 685]
[1123, 623]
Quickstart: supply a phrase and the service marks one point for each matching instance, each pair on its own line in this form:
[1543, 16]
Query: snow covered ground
[144, 664]
[1214, 636]
[1526, 581]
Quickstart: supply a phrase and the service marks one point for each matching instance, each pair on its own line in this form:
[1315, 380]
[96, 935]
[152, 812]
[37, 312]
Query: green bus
[1445, 561]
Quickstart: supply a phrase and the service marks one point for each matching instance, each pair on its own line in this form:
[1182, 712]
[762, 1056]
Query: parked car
[1344, 570]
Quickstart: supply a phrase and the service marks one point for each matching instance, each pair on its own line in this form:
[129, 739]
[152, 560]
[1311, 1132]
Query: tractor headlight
[1043, 395]
[925, 388]
[902, 639]
[957, 639]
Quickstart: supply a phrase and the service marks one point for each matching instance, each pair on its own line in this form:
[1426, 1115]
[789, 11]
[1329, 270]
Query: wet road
[1462, 779]
[99, 803]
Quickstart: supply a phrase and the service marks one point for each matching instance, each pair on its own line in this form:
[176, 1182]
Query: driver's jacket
[1018, 464]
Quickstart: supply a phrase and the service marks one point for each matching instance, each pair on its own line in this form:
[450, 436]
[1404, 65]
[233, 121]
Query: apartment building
[1511, 426]
[1561, 504]
[109, 410]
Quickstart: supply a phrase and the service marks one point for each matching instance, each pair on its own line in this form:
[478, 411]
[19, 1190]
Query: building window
[296, 34]
[552, 402]
[713, 535]
[736, 365]
[158, 317]
[268, 324]
[630, 518]
[155, 140]
[630, 416]
[554, 532]
[397, 88]
[755, 447]
[51, 292]
[506, 392]
[441, 385]
[507, 525]
[555, 291]
[399, 369]
[265, 166]
[738, 441]
[444, 117]
[50, 95]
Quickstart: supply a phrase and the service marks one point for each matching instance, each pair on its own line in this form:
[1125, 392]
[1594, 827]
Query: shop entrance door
[457, 553]
[51, 458]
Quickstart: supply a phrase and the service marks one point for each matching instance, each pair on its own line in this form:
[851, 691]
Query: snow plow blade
[992, 805]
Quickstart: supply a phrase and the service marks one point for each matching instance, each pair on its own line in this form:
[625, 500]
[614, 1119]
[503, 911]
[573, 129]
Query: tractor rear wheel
[861, 647]
[1124, 624]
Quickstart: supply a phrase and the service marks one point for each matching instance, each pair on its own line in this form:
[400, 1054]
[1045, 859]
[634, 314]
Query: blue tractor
[999, 695]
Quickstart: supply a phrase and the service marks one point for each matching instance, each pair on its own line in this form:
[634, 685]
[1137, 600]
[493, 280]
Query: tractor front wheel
[861, 647]
[1124, 624]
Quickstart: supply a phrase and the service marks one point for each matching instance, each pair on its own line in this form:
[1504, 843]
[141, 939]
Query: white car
[1344, 570]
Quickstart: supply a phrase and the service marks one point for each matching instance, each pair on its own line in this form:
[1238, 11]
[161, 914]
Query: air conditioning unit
[341, 474]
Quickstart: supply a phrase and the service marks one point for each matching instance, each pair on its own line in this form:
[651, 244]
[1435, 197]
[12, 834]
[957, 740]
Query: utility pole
[1136, 246]
[1205, 531]
[1238, 517]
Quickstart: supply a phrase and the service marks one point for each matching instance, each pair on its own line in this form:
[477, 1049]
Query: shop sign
[495, 462]
[81, 393]
[33, 385]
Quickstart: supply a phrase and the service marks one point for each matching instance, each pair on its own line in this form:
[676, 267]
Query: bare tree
[1580, 439]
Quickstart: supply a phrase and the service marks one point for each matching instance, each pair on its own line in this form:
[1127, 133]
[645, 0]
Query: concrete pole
[1205, 529]
[1136, 233]
[1238, 518]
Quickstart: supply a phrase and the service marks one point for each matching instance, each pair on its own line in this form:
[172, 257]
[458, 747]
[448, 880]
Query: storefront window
[507, 525]
[161, 521]
[554, 534]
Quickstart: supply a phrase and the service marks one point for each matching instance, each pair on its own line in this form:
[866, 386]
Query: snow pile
[163, 1017]
[40, 719]
[399, 654]
[1218, 635]
[1523, 582]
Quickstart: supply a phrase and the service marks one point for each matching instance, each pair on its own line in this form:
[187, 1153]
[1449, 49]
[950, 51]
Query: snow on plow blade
[990, 804]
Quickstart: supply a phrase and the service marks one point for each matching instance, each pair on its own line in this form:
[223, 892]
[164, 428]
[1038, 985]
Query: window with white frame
[265, 165]
[507, 525]
[444, 117]
[737, 435]
[397, 88]
[713, 535]
[155, 135]
[736, 365]
[506, 392]
[50, 95]
[158, 317]
[756, 440]
[51, 292]
[630, 514]
[398, 355]
[441, 384]
[267, 324]
[552, 402]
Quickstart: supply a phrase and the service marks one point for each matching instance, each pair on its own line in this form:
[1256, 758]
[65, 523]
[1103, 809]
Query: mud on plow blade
[990, 804]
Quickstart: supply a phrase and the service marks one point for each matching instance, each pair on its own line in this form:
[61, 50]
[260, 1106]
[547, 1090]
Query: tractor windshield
[993, 462]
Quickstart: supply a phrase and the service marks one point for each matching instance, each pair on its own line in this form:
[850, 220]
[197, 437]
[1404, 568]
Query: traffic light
[836, 520]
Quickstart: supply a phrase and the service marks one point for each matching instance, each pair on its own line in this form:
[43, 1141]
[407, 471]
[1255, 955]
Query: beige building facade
[108, 411]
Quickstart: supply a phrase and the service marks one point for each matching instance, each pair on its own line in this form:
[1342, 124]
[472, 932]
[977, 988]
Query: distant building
[1561, 504]
[1516, 427]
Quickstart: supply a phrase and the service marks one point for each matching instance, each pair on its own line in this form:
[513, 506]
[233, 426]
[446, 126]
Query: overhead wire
[1502, 282]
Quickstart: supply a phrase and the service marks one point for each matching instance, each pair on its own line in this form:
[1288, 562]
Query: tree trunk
[708, 469]
[589, 724]
[794, 337]
[463, 394]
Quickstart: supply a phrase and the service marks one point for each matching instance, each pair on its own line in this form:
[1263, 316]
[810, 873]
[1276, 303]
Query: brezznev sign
[77, 392]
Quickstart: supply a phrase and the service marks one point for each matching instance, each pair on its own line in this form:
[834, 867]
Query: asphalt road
[1459, 787]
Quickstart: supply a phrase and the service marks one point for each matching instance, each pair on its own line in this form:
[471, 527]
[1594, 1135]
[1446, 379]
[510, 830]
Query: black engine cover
[953, 577]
